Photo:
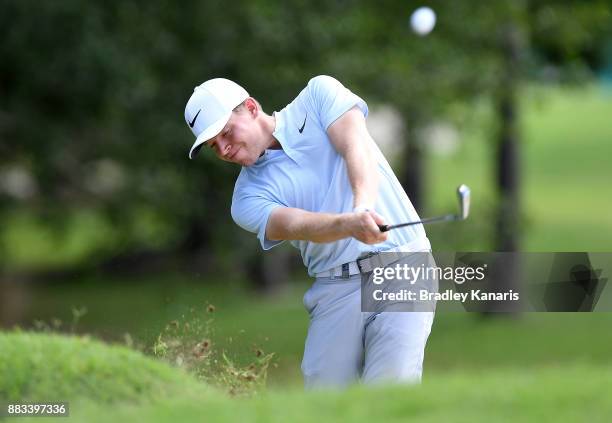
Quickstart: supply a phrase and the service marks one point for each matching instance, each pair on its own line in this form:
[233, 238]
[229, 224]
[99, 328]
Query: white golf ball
[423, 20]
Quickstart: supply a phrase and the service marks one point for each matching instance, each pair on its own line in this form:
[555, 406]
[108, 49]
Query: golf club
[463, 193]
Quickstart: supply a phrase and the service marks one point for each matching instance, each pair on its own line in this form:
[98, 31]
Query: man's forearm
[295, 224]
[286, 223]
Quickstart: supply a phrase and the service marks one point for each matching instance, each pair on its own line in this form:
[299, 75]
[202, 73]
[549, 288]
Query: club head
[463, 192]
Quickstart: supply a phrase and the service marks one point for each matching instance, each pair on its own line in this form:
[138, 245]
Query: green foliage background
[93, 89]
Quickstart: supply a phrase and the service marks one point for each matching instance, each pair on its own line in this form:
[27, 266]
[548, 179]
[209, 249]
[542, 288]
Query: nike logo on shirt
[303, 125]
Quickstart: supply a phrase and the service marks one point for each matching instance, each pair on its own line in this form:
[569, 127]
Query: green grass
[458, 341]
[105, 383]
[35, 367]
[560, 394]
[143, 306]
[567, 171]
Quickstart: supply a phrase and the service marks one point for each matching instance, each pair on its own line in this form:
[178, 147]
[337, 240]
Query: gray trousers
[345, 345]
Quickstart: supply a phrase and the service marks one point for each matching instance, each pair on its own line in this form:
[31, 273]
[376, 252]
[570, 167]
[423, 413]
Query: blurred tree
[92, 94]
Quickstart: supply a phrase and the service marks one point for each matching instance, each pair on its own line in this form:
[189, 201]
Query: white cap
[210, 107]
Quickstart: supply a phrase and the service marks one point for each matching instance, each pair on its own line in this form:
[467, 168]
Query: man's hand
[363, 226]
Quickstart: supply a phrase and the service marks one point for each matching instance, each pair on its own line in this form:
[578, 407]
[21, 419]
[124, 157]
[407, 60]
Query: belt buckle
[367, 256]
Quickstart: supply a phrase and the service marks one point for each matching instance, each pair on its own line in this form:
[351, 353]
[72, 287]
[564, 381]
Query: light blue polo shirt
[309, 174]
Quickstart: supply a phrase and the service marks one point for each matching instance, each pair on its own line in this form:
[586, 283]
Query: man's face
[240, 140]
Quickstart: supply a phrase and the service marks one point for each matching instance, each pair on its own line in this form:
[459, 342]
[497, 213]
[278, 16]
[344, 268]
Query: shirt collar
[280, 133]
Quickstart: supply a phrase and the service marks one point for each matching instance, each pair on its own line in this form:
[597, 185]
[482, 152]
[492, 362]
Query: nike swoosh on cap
[194, 119]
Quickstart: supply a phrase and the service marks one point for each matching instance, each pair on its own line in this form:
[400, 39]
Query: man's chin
[247, 162]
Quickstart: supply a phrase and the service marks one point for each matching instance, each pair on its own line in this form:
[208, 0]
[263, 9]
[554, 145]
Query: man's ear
[251, 106]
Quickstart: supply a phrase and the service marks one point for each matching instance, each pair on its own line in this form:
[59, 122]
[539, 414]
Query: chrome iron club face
[463, 192]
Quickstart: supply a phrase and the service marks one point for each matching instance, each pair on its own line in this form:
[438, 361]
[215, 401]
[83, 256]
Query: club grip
[383, 228]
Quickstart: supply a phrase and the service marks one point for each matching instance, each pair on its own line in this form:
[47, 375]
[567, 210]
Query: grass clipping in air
[189, 343]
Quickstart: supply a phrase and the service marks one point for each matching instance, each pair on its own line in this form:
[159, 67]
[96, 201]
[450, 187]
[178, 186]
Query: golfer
[312, 175]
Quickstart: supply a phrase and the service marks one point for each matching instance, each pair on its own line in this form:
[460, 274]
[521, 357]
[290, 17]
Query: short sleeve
[251, 212]
[331, 99]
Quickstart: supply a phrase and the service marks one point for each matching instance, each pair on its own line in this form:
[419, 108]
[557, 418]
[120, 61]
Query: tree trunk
[412, 175]
[507, 230]
[13, 300]
[507, 233]
[270, 270]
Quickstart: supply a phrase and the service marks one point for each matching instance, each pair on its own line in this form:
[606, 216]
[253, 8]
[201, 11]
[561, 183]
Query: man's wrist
[363, 207]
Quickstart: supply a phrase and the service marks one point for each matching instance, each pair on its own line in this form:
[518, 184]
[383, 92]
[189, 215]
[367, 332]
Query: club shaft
[385, 228]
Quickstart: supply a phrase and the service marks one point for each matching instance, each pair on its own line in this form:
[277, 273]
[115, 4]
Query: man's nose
[224, 147]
